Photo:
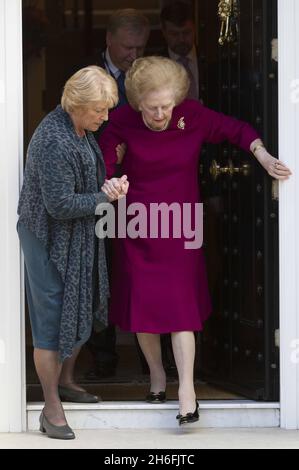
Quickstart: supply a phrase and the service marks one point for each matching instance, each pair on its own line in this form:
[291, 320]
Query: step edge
[137, 405]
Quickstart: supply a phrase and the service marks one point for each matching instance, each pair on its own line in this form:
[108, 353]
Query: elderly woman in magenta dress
[159, 286]
[65, 267]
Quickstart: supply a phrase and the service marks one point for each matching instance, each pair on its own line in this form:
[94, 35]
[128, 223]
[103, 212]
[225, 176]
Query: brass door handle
[228, 12]
[216, 170]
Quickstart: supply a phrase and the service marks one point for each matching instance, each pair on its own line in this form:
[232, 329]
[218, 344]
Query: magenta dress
[158, 286]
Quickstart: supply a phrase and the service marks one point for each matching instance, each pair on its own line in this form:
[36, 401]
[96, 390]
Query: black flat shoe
[55, 432]
[76, 396]
[189, 417]
[156, 397]
[99, 373]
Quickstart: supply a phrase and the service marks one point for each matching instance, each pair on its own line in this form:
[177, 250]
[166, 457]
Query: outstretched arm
[275, 168]
[220, 127]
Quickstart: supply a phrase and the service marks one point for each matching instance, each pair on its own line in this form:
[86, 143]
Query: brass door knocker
[228, 12]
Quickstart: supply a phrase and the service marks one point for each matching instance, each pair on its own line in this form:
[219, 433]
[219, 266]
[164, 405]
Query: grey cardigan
[57, 204]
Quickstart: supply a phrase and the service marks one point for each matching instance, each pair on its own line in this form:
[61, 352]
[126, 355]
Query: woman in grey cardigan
[66, 274]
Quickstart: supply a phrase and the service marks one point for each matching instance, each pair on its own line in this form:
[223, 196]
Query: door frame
[12, 324]
[288, 64]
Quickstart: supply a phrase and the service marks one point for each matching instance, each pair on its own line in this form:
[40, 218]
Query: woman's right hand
[120, 152]
[116, 188]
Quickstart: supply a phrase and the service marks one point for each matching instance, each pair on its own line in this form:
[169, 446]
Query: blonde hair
[149, 74]
[89, 85]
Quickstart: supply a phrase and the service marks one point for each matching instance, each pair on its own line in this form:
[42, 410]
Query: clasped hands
[116, 188]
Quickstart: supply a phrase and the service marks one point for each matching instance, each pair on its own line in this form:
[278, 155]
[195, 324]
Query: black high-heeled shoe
[156, 397]
[189, 417]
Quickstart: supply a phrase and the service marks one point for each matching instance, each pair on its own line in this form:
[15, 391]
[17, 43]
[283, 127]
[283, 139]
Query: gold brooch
[181, 123]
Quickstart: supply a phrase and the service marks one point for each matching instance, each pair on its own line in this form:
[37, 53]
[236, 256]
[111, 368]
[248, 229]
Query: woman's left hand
[275, 168]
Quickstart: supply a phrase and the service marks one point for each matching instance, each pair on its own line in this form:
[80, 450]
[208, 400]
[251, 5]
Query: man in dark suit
[126, 38]
[178, 27]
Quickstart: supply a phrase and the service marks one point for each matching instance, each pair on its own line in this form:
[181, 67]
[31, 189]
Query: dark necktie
[121, 89]
[193, 91]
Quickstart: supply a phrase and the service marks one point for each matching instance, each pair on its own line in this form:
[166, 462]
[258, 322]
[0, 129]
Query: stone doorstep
[137, 415]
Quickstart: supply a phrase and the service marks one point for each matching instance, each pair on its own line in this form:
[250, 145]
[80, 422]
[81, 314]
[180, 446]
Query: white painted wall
[11, 151]
[288, 60]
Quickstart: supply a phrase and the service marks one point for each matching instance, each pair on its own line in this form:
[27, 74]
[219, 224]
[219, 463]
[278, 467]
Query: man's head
[178, 27]
[127, 35]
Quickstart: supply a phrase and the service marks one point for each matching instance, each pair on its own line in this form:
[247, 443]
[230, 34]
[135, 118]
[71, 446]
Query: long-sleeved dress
[159, 286]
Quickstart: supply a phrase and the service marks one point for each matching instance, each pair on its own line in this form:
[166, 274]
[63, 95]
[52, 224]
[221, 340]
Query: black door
[238, 348]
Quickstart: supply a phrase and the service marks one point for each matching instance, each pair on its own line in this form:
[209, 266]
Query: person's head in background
[127, 35]
[178, 27]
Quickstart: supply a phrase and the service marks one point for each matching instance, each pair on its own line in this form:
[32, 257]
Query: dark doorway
[236, 353]
[238, 347]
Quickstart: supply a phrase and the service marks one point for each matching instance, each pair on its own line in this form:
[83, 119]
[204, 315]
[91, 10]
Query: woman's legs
[67, 373]
[183, 344]
[48, 369]
[51, 372]
[151, 348]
